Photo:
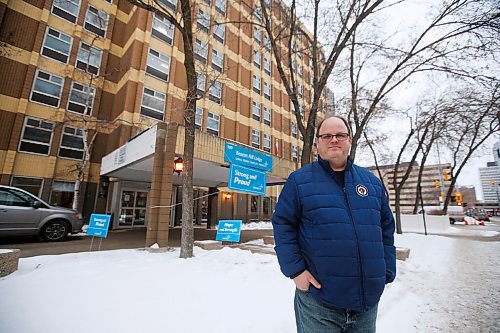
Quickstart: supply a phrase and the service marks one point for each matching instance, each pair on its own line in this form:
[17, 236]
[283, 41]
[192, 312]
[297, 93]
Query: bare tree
[459, 31]
[184, 24]
[344, 18]
[476, 118]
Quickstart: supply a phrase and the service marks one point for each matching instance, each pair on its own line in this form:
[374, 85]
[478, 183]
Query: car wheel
[55, 231]
[452, 221]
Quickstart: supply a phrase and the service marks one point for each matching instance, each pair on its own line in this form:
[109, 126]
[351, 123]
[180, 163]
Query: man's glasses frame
[329, 137]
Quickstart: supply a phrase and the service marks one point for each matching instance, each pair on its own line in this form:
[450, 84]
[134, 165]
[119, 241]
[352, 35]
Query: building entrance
[133, 209]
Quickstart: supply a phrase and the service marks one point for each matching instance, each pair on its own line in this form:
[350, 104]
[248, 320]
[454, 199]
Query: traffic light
[453, 198]
[436, 183]
[447, 175]
[458, 197]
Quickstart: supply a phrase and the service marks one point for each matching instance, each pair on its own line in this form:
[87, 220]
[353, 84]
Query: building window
[37, 136]
[81, 99]
[47, 88]
[62, 194]
[220, 6]
[266, 205]
[256, 84]
[267, 66]
[163, 29]
[71, 143]
[153, 104]
[257, 13]
[200, 51]
[301, 90]
[89, 58]
[295, 153]
[255, 138]
[213, 121]
[203, 21]
[256, 111]
[302, 112]
[200, 84]
[257, 59]
[198, 118]
[217, 60]
[158, 65]
[254, 204]
[67, 9]
[172, 4]
[57, 45]
[267, 43]
[257, 35]
[267, 143]
[215, 92]
[267, 90]
[96, 21]
[267, 116]
[293, 127]
[299, 70]
[31, 185]
[219, 32]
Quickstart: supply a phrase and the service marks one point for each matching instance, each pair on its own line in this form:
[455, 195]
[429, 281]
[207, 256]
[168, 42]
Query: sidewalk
[117, 239]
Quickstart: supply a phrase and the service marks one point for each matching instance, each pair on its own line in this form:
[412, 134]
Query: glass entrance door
[133, 209]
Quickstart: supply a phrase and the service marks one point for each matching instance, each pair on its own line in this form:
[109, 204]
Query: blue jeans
[312, 316]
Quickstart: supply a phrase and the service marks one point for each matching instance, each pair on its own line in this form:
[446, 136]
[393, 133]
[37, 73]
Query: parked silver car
[22, 213]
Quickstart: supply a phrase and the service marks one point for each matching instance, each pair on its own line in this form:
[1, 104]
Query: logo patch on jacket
[361, 190]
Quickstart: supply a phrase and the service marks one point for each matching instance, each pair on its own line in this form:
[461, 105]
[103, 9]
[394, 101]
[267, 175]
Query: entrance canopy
[134, 162]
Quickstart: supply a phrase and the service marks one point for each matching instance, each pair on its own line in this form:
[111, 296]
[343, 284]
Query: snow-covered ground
[228, 290]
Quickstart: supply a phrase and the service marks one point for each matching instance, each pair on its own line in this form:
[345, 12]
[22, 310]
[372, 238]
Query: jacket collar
[326, 165]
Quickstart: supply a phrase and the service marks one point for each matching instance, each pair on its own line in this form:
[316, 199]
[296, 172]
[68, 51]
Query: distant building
[430, 193]
[469, 198]
[490, 177]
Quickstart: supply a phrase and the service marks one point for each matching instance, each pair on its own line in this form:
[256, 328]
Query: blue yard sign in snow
[229, 231]
[98, 225]
[247, 180]
[246, 157]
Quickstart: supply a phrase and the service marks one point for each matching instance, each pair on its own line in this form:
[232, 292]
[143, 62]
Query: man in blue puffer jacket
[334, 233]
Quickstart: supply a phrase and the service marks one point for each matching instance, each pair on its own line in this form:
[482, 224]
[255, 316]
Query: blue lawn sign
[98, 225]
[247, 180]
[235, 154]
[229, 231]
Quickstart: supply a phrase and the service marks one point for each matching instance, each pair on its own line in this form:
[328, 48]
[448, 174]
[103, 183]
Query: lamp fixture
[227, 196]
[178, 165]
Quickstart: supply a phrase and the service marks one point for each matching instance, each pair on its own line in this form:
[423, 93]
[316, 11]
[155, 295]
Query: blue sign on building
[246, 157]
[247, 180]
[229, 231]
[98, 225]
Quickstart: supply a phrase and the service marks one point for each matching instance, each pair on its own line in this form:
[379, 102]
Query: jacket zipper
[359, 252]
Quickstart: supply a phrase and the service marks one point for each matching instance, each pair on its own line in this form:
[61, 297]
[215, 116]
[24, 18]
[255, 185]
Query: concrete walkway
[117, 239]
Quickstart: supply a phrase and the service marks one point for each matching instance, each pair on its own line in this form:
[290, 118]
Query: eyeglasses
[338, 137]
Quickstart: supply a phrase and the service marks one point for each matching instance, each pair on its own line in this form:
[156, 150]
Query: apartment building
[432, 175]
[75, 69]
[490, 178]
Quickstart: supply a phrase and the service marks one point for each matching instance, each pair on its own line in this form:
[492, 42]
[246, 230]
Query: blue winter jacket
[343, 236]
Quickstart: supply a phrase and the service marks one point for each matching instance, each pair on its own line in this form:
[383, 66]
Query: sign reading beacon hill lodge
[235, 154]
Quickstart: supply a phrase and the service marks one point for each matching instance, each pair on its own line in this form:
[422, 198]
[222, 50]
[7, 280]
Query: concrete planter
[9, 261]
